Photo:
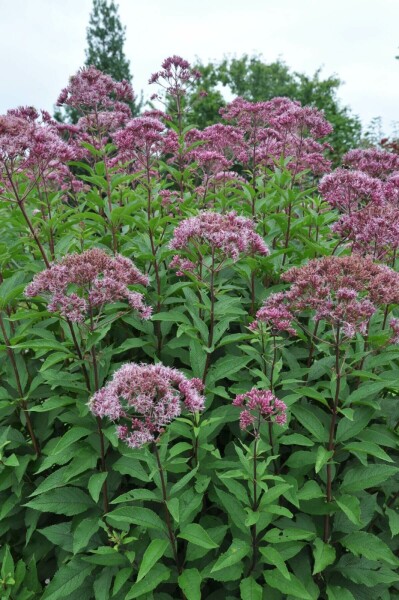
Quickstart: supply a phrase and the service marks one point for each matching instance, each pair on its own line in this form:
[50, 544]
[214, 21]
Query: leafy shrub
[238, 442]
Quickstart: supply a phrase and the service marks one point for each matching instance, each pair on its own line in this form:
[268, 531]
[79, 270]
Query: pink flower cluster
[274, 314]
[260, 405]
[144, 399]
[31, 146]
[349, 191]
[80, 283]
[374, 162]
[374, 230]
[90, 89]
[343, 291]
[175, 76]
[368, 197]
[280, 128]
[227, 235]
[142, 142]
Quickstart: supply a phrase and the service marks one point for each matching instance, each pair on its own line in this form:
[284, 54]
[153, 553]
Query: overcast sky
[42, 42]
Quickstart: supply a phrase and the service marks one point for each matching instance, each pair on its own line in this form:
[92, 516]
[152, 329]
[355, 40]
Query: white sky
[42, 42]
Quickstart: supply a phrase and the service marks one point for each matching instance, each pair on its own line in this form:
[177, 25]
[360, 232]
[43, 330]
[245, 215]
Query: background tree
[105, 37]
[253, 79]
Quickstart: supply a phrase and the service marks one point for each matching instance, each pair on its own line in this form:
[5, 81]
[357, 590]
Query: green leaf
[288, 534]
[95, 484]
[84, 532]
[322, 458]
[309, 420]
[66, 580]
[362, 478]
[324, 555]
[368, 448]
[233, 508]
[250, 590]
[67, 501]
[138, 516]
[197, 535]
[152, 554]
[59, 535]
[361, 543]
[238, 550]
[190, 583]
[350, 505]
[365, 572]
[393, 518]
[156, 576]
[7, 565]
[71, 436]
[273, 557]
[293, 587]
[336, 592]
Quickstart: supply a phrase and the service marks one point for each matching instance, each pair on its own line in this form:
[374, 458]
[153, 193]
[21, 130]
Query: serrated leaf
[197, 535]
[138, 516]
[293, 587]
[324, 555]
[237, 551]
[84, 532]
[368, 545]
[66, 580]
[350, 505]
[68, 501]
[322, 458]
[59, 535]
[70, 437]
[250, 590]
[95, 484]
[336, 592]
[362, 478]
[393, 518]
[190, 583]
[159, 574]
[152, 554]
[273, 557]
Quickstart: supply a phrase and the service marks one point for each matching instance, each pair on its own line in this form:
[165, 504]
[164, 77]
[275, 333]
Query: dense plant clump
[199, 333]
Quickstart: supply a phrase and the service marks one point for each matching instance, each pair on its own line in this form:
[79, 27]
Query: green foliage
[253, 79]
[202, 526]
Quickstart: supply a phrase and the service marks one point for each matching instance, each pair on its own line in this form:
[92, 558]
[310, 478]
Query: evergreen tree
[253, 79]
[105, 37]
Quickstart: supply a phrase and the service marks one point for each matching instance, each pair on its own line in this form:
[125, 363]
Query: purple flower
[343, 291]
[143, 399]
[349, 191]
[374, 162]
[99, 279]
[260, 405]
[228, 234]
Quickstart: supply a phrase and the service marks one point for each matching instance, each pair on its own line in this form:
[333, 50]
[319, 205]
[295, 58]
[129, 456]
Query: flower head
[227, 234]
[349, 191]
[143, 399]
[81, 282]
[90, 89]
[260, 405]
[343, 291]
[374, 162]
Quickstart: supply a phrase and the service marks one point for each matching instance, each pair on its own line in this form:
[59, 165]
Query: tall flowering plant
[238, 441]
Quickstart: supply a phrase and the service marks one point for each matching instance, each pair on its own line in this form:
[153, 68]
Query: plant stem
[331, 440]
[171, 534]
[254, 507]
[98, 419]
[157, 326]
[211, 318]
[11, 356]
